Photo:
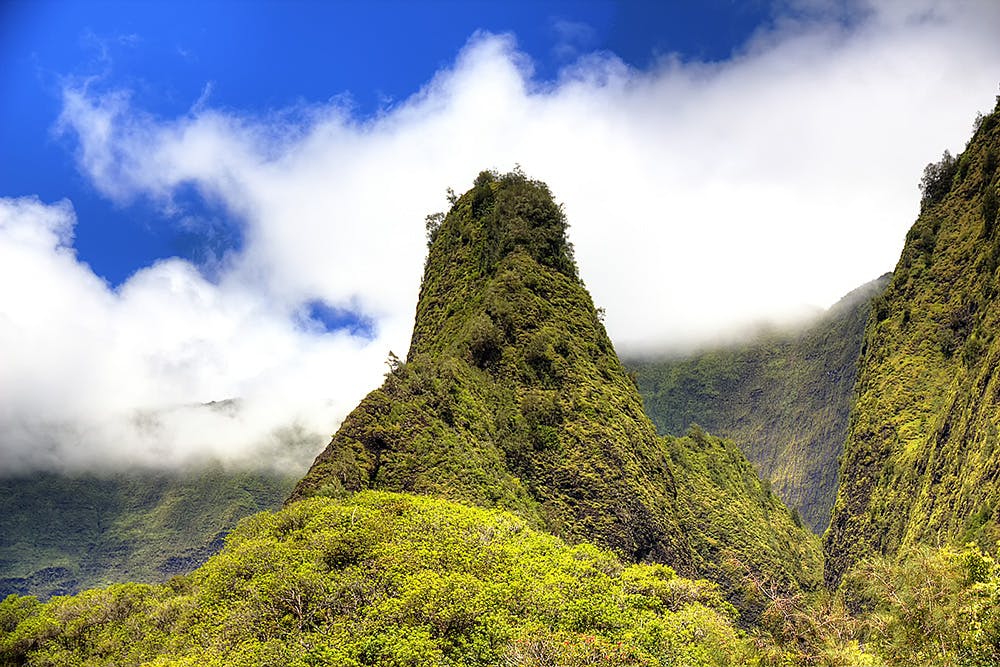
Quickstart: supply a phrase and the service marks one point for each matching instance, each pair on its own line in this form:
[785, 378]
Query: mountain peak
[511, 394]
[503, 223]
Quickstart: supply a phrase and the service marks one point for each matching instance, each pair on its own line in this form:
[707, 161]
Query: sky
[212, 214]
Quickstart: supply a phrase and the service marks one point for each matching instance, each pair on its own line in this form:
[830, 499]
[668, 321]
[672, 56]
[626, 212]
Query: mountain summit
[511, 394]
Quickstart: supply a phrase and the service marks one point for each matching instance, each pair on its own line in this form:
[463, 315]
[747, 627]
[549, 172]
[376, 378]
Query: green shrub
[386, 579]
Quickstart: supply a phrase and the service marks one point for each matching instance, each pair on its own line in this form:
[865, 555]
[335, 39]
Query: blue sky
[258, 56]
[202, 201]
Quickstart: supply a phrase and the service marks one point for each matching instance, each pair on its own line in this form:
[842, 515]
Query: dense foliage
[927, 607]
[61, 533]
[921, 463]
[783, 397]
[512, 396]
[394, 579]
[386, 579]
[739, 530]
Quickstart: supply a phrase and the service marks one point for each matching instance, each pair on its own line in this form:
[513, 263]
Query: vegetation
[386, 579]
[739, 530]
[394, 579]
[62, 533]
[783, 397]
[926, 607]
[937, 179]
[921, 463]
[512, 396]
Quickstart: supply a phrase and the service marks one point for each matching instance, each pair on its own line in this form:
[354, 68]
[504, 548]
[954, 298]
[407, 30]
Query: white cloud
[96, 377]
[701, 197]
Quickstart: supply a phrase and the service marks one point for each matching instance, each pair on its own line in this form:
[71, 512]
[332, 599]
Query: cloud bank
[702, 197]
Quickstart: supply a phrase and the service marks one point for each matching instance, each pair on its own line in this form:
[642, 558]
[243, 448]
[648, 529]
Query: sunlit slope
[783, 397]
[386, 579]
[922, 461]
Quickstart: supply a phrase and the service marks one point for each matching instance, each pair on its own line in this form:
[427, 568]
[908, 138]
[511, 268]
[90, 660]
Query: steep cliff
[783, 397]
[922, 462]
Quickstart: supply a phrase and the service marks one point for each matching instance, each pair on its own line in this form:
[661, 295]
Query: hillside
[512, 396]
[783, 397]
[737, 527]
[63, 533]
[388, 580]
[921, 462]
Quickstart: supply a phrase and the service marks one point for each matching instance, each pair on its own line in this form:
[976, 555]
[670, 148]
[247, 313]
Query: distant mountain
[387, 580]
[783, 397]
[922, 458]
[62, 533]
[512, 396]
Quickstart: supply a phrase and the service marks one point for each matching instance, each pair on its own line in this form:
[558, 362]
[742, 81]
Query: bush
[485, 341]
[937, 179]
[386, 579]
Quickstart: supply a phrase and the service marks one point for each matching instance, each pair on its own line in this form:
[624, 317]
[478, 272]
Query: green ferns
[386, 579]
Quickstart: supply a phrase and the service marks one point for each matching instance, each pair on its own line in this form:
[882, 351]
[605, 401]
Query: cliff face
[512, 396]
[783, 397]
[922, 462]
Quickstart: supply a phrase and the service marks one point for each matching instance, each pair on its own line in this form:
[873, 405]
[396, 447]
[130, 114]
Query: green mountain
[62, 533]
[783, 397]
[512, 396]
[922, 462]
